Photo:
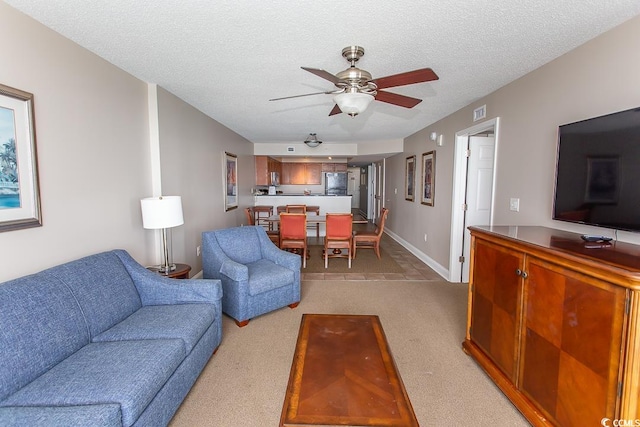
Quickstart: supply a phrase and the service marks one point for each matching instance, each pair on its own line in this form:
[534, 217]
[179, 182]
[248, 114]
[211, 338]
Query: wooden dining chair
[339, 236]
[296, 209]
[370, 239]
[274, 235]
[293, 233]
[260, 215]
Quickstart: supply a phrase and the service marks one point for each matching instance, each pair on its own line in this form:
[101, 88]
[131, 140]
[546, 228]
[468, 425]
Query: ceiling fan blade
[335, 110]
[408, 78]
[395, 99]
[322, 73]
[298, 96]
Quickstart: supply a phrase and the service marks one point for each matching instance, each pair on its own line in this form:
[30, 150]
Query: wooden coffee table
[344, 375]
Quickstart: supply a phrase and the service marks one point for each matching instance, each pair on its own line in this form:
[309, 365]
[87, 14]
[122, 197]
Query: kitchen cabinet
[264, 166]
[313, 173]
[334, 167]
[301, 174]
[262, 170]
[555, 323]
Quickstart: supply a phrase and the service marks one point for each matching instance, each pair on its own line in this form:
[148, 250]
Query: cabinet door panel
[572, 332]
[262, 170]
[298, 174]
[285, 177]
[313, 174]
[496, 304]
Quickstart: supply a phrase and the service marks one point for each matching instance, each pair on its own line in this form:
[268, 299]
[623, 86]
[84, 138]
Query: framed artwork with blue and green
[19, 190]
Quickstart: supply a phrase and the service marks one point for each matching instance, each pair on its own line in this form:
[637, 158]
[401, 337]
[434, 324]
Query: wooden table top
[343, 374]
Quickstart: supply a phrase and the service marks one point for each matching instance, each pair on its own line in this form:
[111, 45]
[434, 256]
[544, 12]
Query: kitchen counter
[301, 195]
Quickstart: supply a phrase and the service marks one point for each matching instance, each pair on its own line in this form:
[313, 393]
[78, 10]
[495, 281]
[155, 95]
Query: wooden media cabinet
[555, 322]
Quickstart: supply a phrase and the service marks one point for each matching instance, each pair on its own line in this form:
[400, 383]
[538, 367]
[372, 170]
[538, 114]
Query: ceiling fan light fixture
[312, 141]
[353, 103]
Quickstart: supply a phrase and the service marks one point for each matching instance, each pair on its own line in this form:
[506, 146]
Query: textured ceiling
[229, 57]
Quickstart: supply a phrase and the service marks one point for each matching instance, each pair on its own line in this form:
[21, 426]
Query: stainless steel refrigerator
[335, 183]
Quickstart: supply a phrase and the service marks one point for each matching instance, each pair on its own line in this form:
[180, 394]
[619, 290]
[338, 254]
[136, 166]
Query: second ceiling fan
[356, 88]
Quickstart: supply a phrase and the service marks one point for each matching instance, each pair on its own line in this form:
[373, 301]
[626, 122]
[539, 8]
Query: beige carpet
[366, 262]
[424, 321]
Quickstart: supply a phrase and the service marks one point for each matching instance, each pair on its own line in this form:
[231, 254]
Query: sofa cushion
[187, 322]
[40, 325]
[104, 415]
[103, 288]
[241, 244]
[265, 275]
[129, 373]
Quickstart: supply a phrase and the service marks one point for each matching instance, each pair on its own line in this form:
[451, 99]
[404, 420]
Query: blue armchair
[256, 276]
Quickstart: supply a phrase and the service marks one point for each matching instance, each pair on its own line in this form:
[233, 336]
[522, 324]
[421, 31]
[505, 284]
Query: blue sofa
[257, 277]
[102, 341]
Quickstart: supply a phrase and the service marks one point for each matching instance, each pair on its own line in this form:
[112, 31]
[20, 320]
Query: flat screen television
[598, 171]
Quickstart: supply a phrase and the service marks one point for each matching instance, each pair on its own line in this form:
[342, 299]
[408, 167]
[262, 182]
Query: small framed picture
[19, 189]
[409, 181]
[428, 178]
[231, 181]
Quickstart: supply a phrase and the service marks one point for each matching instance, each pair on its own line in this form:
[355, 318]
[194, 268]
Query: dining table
[312, 218]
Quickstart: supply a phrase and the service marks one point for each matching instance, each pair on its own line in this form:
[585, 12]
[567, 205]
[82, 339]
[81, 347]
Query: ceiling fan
[356, 88]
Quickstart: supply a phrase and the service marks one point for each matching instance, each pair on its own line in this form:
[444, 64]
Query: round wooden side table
[181, 272]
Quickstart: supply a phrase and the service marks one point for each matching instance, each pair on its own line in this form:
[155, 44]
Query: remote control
[595, 238]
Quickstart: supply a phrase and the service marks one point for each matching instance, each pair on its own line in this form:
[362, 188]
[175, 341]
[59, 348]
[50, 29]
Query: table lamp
[160, 213]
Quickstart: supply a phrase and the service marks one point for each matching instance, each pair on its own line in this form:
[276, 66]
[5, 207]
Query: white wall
[597, 78]
[92, 133]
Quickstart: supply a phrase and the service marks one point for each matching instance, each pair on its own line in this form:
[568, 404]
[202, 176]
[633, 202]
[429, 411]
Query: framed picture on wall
[428, 178]
[19, 190]
[231, 181]
[409, 180]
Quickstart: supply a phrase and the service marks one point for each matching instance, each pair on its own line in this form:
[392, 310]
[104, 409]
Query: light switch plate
[514, 204]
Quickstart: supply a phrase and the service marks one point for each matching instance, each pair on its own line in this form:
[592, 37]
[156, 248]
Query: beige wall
[192, 147]
[597, 78]
[92, 133]
[95, 151]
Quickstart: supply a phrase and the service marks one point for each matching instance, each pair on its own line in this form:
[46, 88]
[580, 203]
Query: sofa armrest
[277, 255]
[234, 270]
[155, 289]
[105, 414]
[286, 259]
[161, 290]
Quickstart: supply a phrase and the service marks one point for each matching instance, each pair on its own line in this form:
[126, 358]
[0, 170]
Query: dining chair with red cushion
[296, 208]
[293, 233]
[339, 236]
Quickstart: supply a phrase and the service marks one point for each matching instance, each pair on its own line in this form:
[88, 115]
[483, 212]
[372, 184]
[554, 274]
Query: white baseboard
[442, 271]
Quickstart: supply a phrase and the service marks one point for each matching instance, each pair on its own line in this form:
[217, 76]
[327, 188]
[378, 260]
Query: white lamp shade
[161, 212]
[353, 103]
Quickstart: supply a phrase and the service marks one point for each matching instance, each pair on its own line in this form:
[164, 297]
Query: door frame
[460, 190]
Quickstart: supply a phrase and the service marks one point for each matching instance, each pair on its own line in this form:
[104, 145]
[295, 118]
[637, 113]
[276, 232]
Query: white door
[354, 187]
[479, 191]
[379, 191]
